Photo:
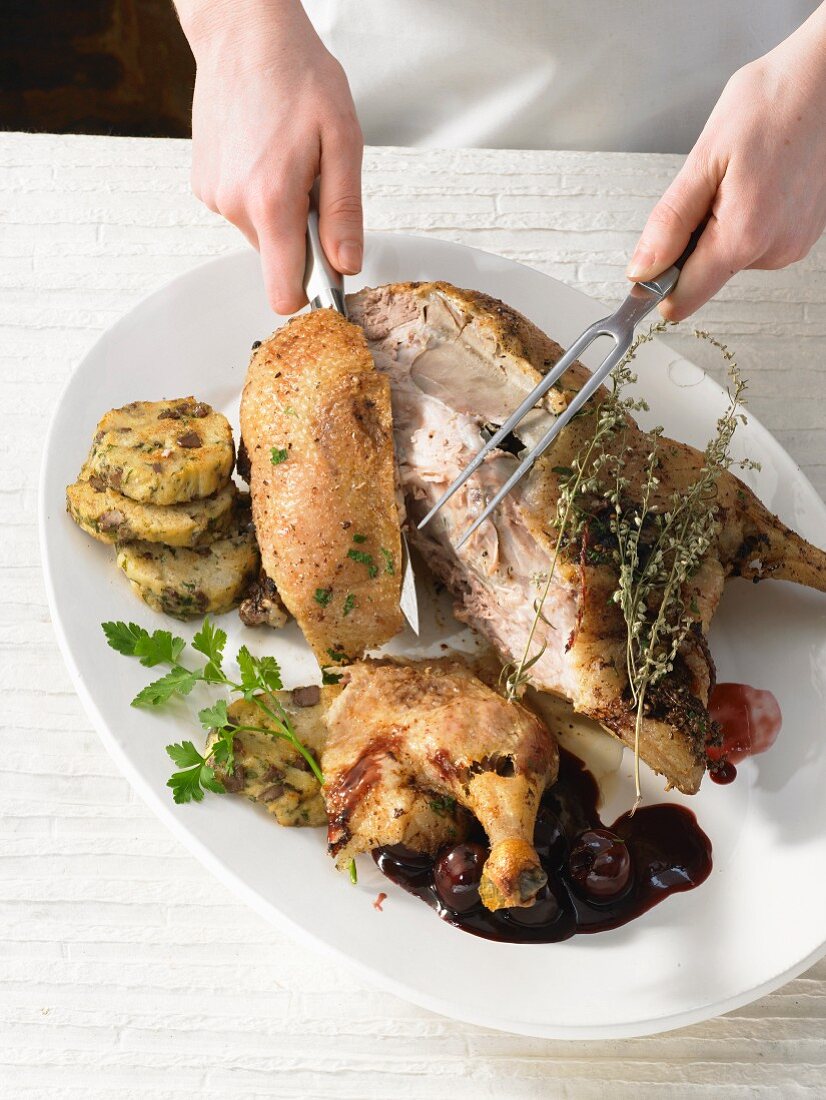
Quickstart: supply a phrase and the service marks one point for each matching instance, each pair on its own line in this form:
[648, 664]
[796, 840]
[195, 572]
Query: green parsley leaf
[389, 564]
[184, 755]
[189, 785]
[214, 717]
[178, 681]
[132, 640]
[364, 559]
[124, 637]
[210, 641]
[359, 538]
[159, 648]
[246, 663]
[330, 677]
[323, 596]
[186, 786]
[278, 455]
[269, 674]
[336, 655]
[221, 751]
[349, 603]
[258, 673]
[209, 781]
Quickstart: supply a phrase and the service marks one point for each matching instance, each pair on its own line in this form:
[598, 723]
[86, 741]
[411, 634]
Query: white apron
[627, 75]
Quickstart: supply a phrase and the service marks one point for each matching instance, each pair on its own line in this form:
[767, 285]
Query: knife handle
[323, 285]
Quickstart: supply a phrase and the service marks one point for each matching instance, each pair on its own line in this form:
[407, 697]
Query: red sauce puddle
[750, 721]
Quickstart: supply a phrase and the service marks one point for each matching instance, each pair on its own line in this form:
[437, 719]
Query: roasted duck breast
[316, 427]
[459, 361]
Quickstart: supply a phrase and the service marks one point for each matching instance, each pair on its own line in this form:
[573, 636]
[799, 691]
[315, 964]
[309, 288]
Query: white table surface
[125, 969]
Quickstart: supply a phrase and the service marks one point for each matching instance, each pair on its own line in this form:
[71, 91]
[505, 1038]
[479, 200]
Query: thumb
[340, 218]
[675, 217]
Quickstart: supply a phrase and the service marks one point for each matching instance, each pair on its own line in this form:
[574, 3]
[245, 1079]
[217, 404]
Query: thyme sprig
[656, 546]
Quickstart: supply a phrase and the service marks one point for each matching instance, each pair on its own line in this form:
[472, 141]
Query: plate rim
[162, 808]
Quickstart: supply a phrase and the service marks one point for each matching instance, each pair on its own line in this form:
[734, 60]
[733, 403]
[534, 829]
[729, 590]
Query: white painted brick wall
[120, 957]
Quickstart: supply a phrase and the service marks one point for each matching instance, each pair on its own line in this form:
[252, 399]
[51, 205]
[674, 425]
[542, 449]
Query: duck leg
[414, 748]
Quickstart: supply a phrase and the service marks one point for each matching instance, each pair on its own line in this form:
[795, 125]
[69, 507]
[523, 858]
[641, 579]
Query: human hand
[272, 110]
[757, 172]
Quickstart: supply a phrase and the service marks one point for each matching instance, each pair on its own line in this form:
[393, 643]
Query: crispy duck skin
[317, 430]
[405, 739]
[458, 360]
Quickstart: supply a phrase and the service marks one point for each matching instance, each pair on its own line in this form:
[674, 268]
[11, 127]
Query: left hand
[757, 172]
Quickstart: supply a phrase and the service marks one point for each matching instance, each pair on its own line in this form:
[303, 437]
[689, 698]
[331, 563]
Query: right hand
[272, 110]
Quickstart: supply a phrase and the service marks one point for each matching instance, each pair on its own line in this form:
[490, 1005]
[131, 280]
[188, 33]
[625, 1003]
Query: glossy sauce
[749, 718]
[668, 853]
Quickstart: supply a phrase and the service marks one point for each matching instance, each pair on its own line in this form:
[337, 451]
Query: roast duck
[353, 430]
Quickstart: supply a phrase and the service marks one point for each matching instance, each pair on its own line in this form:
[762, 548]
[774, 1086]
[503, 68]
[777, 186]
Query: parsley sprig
[260, 679]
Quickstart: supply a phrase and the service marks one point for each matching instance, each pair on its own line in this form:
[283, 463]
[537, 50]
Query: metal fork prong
[516, 417]
[585, 394]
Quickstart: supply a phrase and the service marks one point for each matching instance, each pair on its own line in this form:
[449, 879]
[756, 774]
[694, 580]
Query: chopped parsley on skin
[364, 559]
[278, 455]
[389, 566]
[323, 596]
[336, 655]
[359, 538]
[349, 603]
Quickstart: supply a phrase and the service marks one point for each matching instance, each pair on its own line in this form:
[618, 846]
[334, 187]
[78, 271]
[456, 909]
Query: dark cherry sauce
[749, 718]
[598, 878]
[723, 773]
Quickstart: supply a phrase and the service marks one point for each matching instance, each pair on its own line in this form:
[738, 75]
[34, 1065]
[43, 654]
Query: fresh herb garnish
[656, 544]
[359, 538]
[336, 655]
[330, 676]
[349, 603]
[323, 596]
[278, 455]
[364, 559]
[260, 678]
[195, 777]
[389, 565]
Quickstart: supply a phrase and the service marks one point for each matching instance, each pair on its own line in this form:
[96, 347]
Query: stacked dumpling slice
[158, 486]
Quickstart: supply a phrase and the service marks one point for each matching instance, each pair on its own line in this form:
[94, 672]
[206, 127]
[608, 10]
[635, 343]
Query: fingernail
[641, 262]
[349, 257]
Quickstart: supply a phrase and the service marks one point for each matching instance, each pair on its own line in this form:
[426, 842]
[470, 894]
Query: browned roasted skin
[406, 739]
[458, 359]
[317, 427]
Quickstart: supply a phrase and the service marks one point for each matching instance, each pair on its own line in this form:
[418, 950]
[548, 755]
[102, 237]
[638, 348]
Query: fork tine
[585, 394]
[516, 417]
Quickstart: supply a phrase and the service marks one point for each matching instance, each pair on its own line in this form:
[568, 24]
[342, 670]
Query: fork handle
[692, 244]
